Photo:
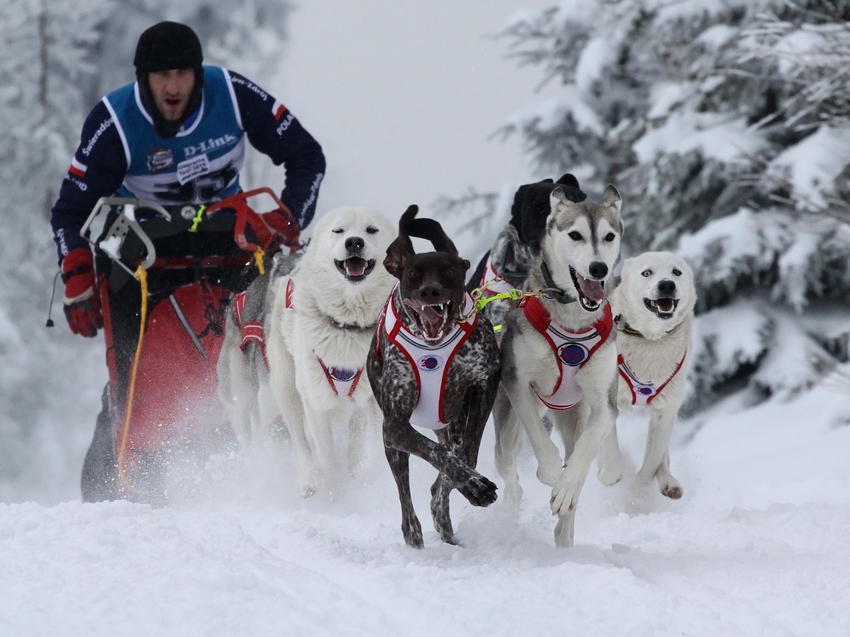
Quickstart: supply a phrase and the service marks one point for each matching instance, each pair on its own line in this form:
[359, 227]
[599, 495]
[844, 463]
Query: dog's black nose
[354, 245]
[430, 293]
[666, 287]
[598, 270]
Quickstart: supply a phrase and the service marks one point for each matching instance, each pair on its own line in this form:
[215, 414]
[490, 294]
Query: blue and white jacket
[121, 154]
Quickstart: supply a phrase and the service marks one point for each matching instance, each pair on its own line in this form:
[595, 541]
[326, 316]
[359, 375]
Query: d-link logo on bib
[430, 363]
[572, 354]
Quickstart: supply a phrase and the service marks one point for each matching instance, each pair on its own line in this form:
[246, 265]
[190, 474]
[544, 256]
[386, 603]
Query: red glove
[275, 229]
[82, 305]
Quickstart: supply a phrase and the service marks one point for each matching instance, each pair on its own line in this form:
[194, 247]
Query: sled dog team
[362, 329]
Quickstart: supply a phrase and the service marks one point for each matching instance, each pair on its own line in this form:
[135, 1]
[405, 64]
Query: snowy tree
[724, 125]
[44, 60]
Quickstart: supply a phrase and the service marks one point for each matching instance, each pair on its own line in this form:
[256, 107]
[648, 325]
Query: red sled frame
[133, 421]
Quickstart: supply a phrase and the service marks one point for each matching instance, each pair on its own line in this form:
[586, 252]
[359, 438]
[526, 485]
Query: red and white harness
[497, 283]
[343, 381]
[252, 331]
[571, 350]
[430, 363]
[643, 393]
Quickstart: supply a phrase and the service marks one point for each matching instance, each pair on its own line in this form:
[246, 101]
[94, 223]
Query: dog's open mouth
[433, 320]
[591, 293]
[664, 308]
[354, 268]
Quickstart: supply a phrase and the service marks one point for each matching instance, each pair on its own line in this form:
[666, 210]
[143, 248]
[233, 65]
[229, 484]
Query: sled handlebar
[112, 240]
[247, 217]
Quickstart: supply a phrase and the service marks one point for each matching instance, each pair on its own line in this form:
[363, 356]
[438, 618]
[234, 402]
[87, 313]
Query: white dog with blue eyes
[653, 312]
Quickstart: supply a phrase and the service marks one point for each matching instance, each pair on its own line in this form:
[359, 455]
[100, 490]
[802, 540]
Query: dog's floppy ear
[432, 231]
[402, 248]
[569, 180]
[573, 190]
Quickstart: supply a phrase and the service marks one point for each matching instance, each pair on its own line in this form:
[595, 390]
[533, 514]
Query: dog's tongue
[425, 312]
[355, 266]
[591, 289]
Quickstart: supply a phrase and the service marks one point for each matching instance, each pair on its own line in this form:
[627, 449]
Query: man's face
[171, 91]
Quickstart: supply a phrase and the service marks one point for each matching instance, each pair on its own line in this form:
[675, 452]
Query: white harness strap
[430, 363]
[571, 350]
[644, 393]
[498, 285]
[343, 381]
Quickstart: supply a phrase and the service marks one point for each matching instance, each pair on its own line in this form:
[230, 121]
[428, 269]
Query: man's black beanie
[166, 46]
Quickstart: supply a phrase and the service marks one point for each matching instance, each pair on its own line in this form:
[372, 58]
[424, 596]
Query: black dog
[518, 244]
[430, 368]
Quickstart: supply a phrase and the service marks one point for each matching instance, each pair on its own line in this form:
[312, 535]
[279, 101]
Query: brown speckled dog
[433, 366]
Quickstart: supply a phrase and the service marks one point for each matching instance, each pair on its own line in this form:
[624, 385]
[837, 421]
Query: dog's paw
[306, 491]
[480, 491]
[412, 531]
[670, 488]
[565, 531]
[565, 493]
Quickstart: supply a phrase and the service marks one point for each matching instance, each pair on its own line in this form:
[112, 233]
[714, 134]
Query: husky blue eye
[677, 272]
[647, 273]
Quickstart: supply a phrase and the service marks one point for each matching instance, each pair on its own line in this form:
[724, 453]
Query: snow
[812, 166]
[757, 546]
[715, 135]
[552, 110]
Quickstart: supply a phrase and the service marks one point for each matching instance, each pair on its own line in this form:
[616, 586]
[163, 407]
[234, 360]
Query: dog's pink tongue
[591, 289]
[426, 312]
[355, 266]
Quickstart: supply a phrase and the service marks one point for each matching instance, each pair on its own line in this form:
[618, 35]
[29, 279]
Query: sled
[165, 278]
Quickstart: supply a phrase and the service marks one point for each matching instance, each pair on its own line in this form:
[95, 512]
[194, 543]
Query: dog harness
[430, 363]
[497, 283]
[252, 331]
[571, 350]
[643, 393]
[342, 380]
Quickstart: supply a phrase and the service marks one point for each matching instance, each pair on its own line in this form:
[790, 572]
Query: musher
[176, 137]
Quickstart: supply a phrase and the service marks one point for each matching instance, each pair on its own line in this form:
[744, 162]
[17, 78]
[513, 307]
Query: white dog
[318, 331]
[654, 307]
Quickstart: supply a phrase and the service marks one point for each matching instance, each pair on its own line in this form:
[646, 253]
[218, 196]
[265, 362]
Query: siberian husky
[506, 265]
[559, 357]
[653, 309]
[318, 328]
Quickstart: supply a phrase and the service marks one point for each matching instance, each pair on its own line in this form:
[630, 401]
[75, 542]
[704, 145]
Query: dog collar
[552, 291]
[625, 328]
[352, 326]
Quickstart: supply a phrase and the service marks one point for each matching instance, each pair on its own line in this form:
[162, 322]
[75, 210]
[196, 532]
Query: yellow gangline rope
[480, 301]
[142, 276]
[258, 257]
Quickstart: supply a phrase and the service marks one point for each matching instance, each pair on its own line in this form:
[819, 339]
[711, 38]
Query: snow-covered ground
[759, 545]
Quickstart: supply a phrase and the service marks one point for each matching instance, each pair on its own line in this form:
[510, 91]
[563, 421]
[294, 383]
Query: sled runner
[164, 279]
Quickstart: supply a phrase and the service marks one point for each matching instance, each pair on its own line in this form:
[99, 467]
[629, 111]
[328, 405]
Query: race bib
[191, 168]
